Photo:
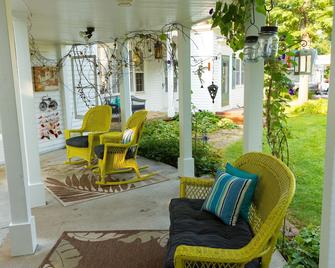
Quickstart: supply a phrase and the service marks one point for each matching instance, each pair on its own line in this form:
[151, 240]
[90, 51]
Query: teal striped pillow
[127, 136]
[244, 212]
[226, 198]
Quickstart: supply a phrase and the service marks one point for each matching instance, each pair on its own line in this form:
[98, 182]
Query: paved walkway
[142, 208]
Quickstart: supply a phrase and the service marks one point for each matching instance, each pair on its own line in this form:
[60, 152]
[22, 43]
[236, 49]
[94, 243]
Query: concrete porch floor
[142, 208]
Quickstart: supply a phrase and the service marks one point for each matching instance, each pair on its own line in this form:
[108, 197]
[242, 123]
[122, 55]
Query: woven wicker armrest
[111, 137]
[195, 188]
[95, 137]
[67, 132]
[192, 256]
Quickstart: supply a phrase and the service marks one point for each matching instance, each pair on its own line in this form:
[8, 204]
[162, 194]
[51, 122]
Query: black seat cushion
[99, 151]
[193, 227]
[78, 141]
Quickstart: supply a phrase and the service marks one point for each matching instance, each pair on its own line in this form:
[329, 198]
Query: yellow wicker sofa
[274, 192]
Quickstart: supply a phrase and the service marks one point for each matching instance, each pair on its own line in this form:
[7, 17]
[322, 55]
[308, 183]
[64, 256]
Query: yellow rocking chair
[96, 121]
[116, 155]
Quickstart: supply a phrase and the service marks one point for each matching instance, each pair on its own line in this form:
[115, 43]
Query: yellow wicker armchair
[273, 195]
[115, 157]
[96, 121]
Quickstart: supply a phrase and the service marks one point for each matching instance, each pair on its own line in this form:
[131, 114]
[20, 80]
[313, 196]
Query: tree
[307, 20]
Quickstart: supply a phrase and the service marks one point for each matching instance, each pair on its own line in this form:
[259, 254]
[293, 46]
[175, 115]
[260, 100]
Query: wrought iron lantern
[158, 50]
[213, 90]
[251, 48]
[305, 60]
[268, 42]
[136, 56]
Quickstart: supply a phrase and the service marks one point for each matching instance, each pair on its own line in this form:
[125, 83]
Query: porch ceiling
[60, 21]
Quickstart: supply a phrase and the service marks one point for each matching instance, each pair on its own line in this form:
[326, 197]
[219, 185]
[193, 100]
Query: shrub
[160, 141]
[208, 122]
[303, 250]
[206, 160]
[227, 123]
[319, 106]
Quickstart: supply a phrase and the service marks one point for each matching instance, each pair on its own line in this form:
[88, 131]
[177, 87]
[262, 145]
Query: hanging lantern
[251, 47]
[136, 57]
[158, 50]
[268, 42]
[305, 60]
[213, 90]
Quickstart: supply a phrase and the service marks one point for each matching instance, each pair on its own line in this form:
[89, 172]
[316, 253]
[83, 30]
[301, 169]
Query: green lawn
[307, 149]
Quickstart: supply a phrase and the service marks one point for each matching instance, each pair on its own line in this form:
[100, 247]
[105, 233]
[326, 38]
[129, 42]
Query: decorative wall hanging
[45, 78]
[213, 90]
[199, 72]
[49, 119]
[48, 103]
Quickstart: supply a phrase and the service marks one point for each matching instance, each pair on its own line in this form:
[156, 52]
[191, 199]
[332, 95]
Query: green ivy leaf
[163, 37]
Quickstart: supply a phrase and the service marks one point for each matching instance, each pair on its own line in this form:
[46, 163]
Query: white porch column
[327, 246]
[125, 96]
[25, 96]
[185, 160]
[170, 75]
[253, 100]
[22, 232]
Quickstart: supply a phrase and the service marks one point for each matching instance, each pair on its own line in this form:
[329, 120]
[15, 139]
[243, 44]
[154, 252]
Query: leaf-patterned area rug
[115, 249]
[82, 187]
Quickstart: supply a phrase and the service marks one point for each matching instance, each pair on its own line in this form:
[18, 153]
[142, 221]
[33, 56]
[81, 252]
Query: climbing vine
[276, 85]
[232, 18]
[108, 60]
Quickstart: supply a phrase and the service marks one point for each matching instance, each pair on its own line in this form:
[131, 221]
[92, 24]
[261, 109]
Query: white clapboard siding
[154, 85]
[204, 48]
[237, 97]
[49, 51]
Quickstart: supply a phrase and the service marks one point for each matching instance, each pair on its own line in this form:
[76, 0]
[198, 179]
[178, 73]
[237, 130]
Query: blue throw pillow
[250, 193]
[226, 198]
[219, 172]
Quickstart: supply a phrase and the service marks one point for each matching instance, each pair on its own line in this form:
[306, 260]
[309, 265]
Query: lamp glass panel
[308, 63]
[303, 64]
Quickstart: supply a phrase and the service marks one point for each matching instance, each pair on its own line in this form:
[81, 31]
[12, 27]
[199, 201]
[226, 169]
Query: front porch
[53, 219]
[26, 201]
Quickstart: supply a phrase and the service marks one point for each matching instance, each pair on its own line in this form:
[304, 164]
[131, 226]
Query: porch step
[236, 115]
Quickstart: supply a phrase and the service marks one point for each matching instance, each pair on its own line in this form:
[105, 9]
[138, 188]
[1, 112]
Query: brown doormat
[115, 249]
[80, 188]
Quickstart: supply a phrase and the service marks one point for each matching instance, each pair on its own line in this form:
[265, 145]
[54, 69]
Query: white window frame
[143, 82]
[133, 71]
[238, 72]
